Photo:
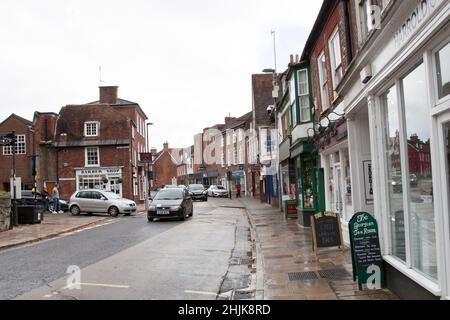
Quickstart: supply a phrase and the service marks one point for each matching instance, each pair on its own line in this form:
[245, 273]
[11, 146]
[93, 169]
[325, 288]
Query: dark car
[198, 192]
[171, 204]
[29, 198]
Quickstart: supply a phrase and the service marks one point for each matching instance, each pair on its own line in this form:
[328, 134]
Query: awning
[301, 148]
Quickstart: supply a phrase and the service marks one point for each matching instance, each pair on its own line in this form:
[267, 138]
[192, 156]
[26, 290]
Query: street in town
[230, 250]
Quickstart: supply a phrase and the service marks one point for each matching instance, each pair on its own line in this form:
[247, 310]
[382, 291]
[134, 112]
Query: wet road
[26, 268]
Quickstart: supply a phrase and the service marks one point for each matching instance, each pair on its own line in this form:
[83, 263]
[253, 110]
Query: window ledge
[414, 275]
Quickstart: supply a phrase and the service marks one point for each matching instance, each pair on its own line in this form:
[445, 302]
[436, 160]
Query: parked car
[198, 192]
[413, 181]
[171, 203]
[397, 182]
[217, 191]
[29, 198]
[171, 186]
[97, 201]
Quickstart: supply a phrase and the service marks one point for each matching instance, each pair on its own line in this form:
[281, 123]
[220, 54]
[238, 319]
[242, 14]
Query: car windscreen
[169, 194]
[220, 188]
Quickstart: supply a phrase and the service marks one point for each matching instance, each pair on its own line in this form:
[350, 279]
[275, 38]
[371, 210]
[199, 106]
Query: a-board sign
[291, 208]
[367, 259]
[326, 230]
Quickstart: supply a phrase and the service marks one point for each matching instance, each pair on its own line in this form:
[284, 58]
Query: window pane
[443, 71]
[305, 114]
[303, 82]
[420, 197]
[394, 174]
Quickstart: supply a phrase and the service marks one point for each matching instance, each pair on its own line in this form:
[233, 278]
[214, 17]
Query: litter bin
[30, 214]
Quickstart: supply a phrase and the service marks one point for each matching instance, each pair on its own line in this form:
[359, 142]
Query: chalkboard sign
[366, 251]
[291, 208]
[326, 230]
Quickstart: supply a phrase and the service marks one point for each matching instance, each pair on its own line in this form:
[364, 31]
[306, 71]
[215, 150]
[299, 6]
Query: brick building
[24, 151]
[165, 165]
[95, 145]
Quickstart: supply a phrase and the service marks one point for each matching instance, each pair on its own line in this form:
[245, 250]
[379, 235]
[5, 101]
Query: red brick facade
[165, 167]
[23, 161]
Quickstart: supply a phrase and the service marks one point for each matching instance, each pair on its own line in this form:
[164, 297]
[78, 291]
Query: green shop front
[310, 188]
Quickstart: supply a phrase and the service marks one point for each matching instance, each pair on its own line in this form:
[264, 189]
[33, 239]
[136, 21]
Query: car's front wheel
[113, 211]
[75, 210]
[150, 219]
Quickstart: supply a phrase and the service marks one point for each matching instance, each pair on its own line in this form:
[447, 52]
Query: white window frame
[21, 146]
[86, 157]
[323, 81]
[443, 100]
[335, 57]
[303, 95]
[97, 128]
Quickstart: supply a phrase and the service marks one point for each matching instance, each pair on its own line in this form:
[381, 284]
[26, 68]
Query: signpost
[366, 252]
[326, 231]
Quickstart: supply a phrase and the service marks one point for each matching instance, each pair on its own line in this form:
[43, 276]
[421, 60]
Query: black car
[198, 192]
[29, 197]
[171, 204]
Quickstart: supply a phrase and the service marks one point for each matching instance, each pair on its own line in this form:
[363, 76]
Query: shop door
[115, 186]
[337, 189]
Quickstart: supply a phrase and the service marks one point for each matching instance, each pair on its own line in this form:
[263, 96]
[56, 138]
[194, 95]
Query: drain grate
[302, 276]
[334, 274]
[284, 256]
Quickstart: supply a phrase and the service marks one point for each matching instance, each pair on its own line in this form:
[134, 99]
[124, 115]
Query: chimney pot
[297, 58]
[292, 58]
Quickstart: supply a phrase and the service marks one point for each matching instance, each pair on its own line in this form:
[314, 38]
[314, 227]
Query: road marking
[208, 293]
[48, 296]
[97, 285]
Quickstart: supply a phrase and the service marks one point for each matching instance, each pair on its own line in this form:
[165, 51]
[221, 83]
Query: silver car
[217, 191]
[97, 201]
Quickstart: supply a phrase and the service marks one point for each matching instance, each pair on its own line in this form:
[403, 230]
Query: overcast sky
[188, 63]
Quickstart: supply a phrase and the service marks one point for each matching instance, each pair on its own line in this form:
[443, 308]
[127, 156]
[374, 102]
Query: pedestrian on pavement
[55, 196]
[238, 189]
[45, 198]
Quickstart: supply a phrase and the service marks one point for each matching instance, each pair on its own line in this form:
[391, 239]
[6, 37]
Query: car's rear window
[169, 194]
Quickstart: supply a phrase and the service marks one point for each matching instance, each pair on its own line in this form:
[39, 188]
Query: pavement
[52, 226]
[287, 269]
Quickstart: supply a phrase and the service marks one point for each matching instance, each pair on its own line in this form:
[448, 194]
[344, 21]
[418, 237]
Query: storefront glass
[308, 186]
[443, 71]
[420, 195]
[394, 174]
[298, 167]
[348, 184]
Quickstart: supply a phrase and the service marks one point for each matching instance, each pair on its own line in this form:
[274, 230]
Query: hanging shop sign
[368, 182]
[326, 231]
[366, 252]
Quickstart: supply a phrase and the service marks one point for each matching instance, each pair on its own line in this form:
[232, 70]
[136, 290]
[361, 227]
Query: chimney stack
[297, 58]
[292, 58]
[166, 146]
[108, 94]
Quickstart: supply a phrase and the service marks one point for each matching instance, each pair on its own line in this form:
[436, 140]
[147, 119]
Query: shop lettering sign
[326, 230]
[366, 252]
[421, 12]
[100, 172]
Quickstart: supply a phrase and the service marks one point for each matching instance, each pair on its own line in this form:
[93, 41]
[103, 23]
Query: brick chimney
[166, 146]
[108, 94]
[229, 120]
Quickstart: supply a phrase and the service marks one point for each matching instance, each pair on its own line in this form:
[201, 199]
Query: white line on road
[207, 293]
[97, 285]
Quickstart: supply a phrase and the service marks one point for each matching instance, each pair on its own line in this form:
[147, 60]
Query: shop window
[443, 71]
[410, 184]
[303, 92]
[394, 174]
[348, 184]
[420, 195]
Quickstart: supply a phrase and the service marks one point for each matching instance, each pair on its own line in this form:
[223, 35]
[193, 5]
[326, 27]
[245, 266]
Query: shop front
[309, 186]
[403, 116]
[106, 179]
